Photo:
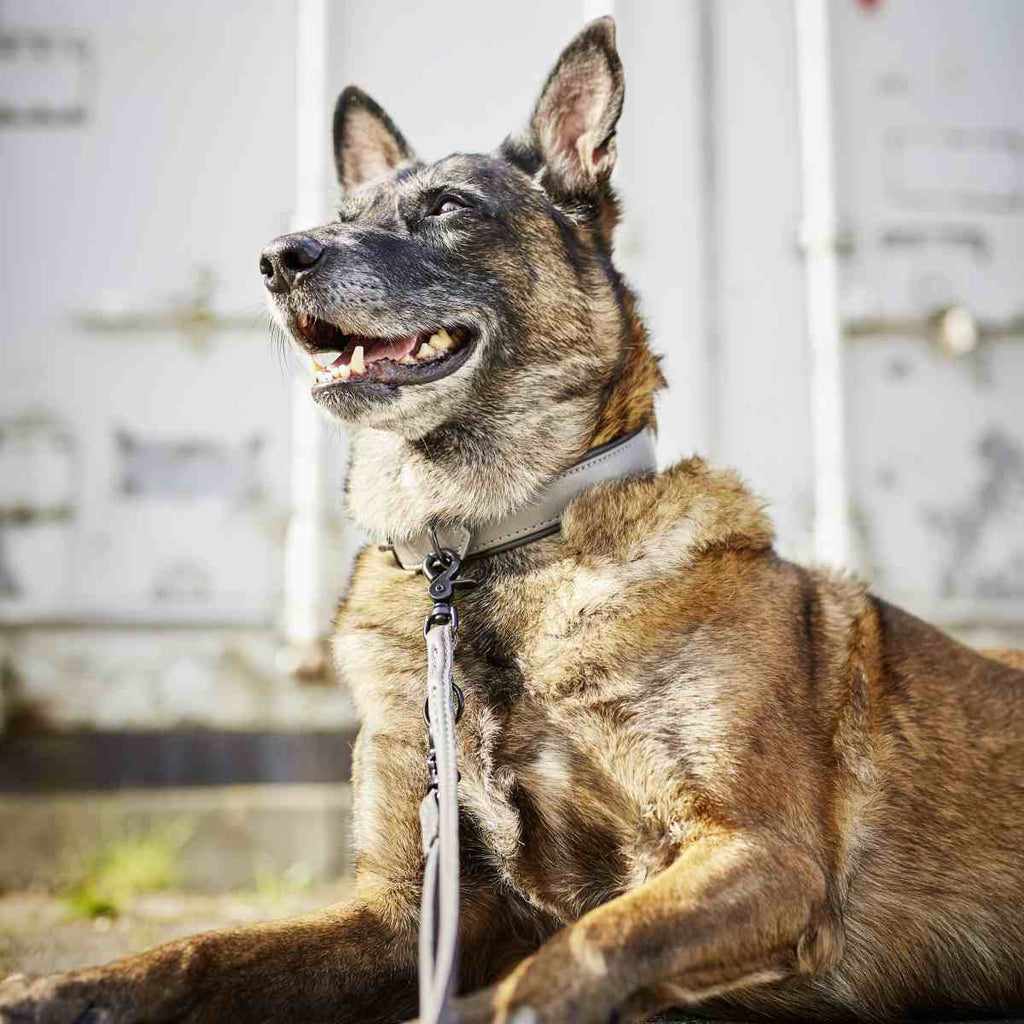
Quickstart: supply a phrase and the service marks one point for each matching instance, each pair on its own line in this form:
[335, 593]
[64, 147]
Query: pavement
[37, 935]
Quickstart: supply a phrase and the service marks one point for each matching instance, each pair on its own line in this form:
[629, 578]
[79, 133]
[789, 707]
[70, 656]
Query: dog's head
[478, 289]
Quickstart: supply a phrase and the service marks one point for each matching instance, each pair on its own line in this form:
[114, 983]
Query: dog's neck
[474, 473]
[627, 400]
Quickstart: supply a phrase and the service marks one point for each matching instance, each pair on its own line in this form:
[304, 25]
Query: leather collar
[626, 456]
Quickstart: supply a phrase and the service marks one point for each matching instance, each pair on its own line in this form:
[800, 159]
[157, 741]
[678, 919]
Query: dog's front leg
[731, 912]
[355, 962]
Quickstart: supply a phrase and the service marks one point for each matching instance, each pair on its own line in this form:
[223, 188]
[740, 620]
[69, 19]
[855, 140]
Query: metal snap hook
[439, 552]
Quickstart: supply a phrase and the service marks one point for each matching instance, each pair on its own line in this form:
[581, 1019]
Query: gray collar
[628, 456]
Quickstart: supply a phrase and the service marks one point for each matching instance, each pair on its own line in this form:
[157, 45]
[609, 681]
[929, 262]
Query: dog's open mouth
[342, 359]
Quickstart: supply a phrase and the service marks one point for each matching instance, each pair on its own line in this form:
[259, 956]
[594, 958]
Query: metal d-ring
[460, 705]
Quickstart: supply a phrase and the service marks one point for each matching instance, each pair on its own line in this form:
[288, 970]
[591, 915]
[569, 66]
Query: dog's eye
[446, 205]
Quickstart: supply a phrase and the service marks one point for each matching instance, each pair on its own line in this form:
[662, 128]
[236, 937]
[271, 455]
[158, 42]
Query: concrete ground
[37, 936]
[229, 836]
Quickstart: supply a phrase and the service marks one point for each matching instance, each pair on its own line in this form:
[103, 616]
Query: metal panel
[931, 170]
[139, 378]
[764, 426]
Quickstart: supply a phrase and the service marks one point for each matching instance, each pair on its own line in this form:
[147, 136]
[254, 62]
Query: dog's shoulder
[617, 540]
[670, 518]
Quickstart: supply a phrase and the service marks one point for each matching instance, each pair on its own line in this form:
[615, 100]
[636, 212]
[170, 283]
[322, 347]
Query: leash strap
[441, 561]
[439, 809]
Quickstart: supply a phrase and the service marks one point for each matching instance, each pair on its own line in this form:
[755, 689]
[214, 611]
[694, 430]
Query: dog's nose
[287, 259]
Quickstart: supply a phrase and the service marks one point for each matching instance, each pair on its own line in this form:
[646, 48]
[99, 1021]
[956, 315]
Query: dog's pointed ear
[573, 125]
[367, 145]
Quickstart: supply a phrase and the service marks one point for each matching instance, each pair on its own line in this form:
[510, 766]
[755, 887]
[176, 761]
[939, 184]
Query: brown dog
[692, 772]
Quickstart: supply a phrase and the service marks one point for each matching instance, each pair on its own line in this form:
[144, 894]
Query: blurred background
[824, 218]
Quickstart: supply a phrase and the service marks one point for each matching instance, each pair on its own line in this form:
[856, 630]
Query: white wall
[182, 163]
[185, 160]
[931, 168]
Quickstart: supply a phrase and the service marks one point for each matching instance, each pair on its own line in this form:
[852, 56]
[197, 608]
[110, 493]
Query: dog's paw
[28, 999]
[49, 999]
[487, 1007]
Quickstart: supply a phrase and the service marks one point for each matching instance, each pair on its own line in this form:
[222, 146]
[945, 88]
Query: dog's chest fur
[568, 791]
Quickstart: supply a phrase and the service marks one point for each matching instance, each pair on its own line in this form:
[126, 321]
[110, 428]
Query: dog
[693, 774]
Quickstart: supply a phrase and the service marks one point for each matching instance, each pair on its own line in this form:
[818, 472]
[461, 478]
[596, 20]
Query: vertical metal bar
[818, 241]
[710, 249]
[303, 610]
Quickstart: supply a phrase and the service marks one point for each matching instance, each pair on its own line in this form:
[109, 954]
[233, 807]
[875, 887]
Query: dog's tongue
[375, 349]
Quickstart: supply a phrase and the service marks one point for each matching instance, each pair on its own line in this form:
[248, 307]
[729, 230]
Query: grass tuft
[109, 877]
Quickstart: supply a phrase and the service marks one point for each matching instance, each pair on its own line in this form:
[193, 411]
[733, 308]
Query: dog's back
[940, 873]
[930, 870]
[1015, 659]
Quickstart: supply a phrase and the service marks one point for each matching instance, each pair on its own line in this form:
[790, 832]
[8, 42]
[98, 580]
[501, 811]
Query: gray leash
[439, 809]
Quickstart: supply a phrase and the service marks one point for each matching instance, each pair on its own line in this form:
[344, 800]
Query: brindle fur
[692, 772]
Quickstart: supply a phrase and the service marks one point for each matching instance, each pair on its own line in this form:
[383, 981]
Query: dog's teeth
[356, 362]
[343, 371]
[441, 340]
[327, 357]
[407, 361]
[425, 352]
[303, 321]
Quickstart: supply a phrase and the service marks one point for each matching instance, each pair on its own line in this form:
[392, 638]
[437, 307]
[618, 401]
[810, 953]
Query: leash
[439, 809]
